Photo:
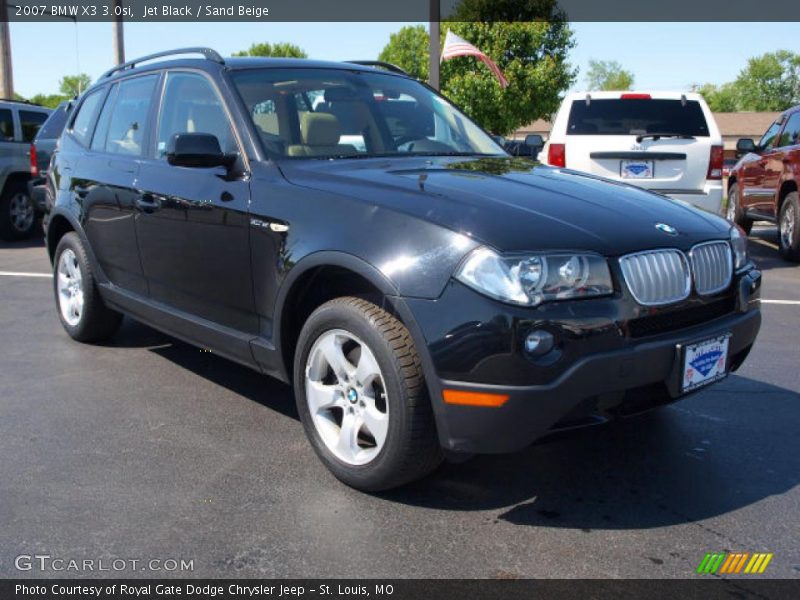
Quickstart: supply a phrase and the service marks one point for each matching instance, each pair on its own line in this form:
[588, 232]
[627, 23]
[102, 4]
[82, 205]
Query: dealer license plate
[636, 169]
[705, 362]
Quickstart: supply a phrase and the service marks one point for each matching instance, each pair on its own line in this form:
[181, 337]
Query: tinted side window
[104, 120]
[87, 111]
[192, 106]
[31, 121]
[54, 125]
[6, 125]
[768, 140]
[791, 133]
[126, 130]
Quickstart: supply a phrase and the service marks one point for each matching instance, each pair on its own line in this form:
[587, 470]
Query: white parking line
[18, 274]
[789, 302]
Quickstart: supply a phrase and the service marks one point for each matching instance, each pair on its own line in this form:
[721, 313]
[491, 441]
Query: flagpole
[433, 66]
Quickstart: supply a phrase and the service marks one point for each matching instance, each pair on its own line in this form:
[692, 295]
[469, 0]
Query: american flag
[458, 46]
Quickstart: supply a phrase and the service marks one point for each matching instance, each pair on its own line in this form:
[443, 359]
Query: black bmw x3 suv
[343, 227]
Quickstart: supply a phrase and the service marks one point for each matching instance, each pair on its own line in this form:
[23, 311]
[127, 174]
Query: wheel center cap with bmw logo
[668, 229]
[352, 396]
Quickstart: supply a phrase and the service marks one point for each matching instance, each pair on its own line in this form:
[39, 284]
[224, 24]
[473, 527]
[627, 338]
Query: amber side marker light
[474, 398]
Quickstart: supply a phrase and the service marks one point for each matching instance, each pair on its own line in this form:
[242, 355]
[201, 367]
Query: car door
[757, 195]
[105, 179]
[192, 223]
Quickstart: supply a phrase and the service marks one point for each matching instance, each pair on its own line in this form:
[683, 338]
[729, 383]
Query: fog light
[538, 342]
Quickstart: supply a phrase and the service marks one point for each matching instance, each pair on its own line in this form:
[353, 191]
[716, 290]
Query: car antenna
[588, 99]
[683, 99]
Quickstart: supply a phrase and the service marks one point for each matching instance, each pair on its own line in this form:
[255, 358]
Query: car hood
[513, 205]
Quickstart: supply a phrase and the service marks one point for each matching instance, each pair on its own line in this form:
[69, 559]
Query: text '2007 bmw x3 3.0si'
[347, 229]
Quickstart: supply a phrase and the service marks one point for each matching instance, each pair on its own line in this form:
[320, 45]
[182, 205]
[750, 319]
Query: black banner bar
[402, 10]
[710, 588]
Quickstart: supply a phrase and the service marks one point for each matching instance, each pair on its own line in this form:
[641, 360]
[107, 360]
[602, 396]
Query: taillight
[34, 162]
[715, 162]
[557, 155]
[636, 97]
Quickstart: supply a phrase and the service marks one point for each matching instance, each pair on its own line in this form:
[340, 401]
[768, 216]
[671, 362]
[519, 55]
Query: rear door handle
[147, 203]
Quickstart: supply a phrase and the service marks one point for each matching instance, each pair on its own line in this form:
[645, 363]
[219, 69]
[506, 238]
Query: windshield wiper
[656, 136]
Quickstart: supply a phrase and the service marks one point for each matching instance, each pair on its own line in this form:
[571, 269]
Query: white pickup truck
[667, 142]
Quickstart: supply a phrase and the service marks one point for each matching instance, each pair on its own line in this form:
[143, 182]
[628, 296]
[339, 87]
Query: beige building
[733, 126]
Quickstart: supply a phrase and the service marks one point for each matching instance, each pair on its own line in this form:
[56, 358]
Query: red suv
[763, 184]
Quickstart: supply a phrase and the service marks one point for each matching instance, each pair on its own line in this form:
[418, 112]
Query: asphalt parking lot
[148, 448]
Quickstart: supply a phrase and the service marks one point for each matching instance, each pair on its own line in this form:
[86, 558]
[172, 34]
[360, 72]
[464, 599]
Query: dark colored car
[349, 230]
[763, 185]
[41, 150]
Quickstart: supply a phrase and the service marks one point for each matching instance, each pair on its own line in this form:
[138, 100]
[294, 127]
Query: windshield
[628, 116]
[328, 113]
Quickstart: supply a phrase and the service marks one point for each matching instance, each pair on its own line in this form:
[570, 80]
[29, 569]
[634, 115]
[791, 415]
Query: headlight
[531, 280]
[739, 245]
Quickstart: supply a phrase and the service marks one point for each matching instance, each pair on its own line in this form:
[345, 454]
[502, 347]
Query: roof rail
[208, 53]
[18, 101]
[380, 64]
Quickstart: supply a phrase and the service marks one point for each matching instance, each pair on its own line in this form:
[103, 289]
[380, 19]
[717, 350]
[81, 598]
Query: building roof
[732, 124]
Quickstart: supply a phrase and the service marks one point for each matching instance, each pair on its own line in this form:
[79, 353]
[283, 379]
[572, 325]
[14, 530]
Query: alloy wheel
[787, 226]
[21, 212]
[70, 287]
[730, 213]
[346, 397]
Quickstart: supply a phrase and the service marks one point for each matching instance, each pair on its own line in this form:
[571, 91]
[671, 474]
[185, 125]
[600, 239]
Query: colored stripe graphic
[724, 563]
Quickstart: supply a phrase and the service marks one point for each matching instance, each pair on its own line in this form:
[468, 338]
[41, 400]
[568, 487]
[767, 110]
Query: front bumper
[599, 368]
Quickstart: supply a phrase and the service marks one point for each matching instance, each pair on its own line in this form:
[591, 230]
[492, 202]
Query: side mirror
[745, 146]
[199, 150]
[535, 142]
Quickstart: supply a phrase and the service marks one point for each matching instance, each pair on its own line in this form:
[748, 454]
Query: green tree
[48, 100]
[720, 98]
[608, 75]
[770, 82]
[278, 49]
[73, 85]
[532, 55]
[408, 48]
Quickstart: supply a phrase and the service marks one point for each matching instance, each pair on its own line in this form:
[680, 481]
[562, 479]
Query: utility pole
[433, 66]
[118, 34]
[6, 71]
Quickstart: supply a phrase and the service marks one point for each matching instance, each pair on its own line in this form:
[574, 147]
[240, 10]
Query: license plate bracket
[703, 362]
[636, 169]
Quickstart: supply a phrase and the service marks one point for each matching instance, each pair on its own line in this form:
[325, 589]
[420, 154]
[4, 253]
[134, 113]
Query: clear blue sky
[661, 55]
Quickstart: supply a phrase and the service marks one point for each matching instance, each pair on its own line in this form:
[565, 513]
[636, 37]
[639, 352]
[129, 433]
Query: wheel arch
[787, 187]
[58, 225]
[316, 279]
[15, 178]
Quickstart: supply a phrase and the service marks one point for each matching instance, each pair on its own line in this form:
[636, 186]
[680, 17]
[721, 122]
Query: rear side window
[31, 121]
[84, 120]
[791, 133]
[54, 124]
[6, 125]
[636, 117]
[126, 130]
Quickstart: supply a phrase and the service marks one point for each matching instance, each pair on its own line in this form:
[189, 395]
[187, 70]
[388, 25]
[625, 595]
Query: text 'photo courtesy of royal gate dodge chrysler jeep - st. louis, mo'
[343, 227]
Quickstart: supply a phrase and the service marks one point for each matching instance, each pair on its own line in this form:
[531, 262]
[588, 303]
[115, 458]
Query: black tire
[11, 227]
[96, 322]
[735, 210]
[789, 241]
[411, 449]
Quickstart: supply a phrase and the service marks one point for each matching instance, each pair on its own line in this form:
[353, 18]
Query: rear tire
[789, 228]
[734, 212]
[80, 308]
[17, 213]
[362, 398]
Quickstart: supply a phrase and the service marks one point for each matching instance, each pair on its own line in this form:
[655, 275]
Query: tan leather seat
[320, 133]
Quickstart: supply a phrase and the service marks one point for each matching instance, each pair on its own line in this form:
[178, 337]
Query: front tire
[17, 213]
[80, 308]
[734, 212]
[789, 228]
[361, 396]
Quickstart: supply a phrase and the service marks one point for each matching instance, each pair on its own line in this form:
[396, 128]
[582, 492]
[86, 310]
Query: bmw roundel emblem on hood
[668, 229]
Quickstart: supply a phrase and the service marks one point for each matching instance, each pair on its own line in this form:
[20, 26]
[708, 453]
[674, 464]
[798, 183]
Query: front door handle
[147, 203]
